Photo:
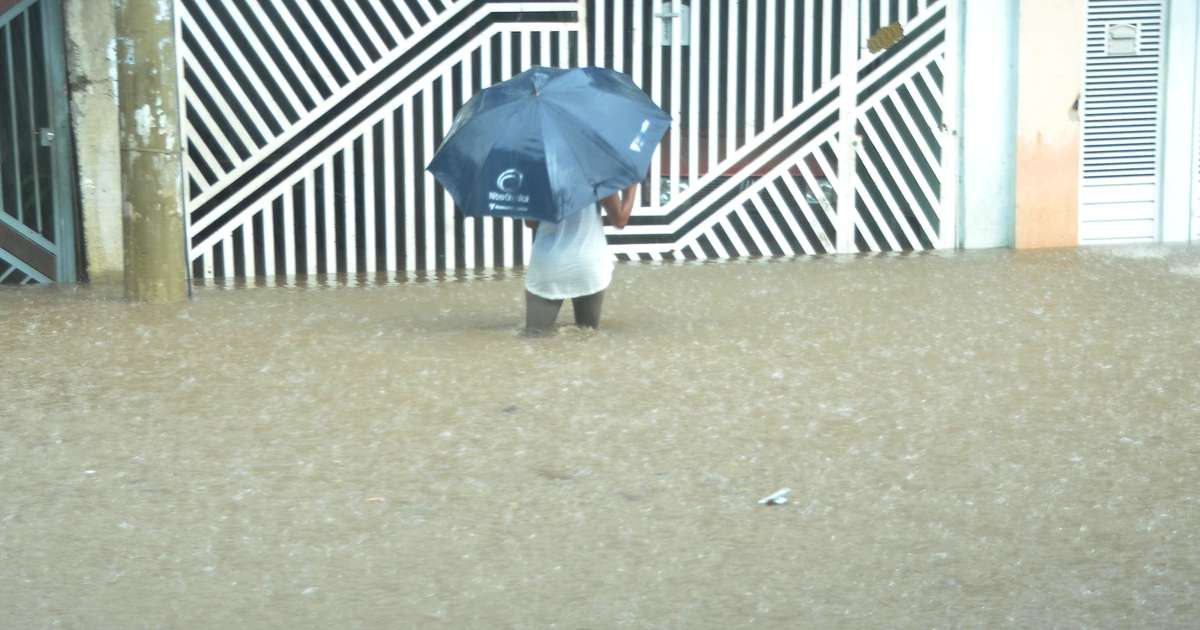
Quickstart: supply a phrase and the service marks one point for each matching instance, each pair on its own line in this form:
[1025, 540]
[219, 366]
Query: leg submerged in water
[540, 314]
[587, 310]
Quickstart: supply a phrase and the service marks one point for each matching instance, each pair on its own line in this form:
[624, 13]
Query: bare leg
[587, 310]
[540, 314]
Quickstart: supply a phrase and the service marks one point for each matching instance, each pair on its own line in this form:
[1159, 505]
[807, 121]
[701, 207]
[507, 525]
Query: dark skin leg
[587, 310]
[540, 313]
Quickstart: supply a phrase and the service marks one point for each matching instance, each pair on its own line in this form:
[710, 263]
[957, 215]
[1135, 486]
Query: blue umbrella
[548, 142]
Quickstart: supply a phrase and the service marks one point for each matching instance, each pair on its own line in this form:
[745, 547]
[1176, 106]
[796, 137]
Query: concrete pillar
[92, 83]
[155, 266]
[1179, 124]
[988, 127]
[1050, 80]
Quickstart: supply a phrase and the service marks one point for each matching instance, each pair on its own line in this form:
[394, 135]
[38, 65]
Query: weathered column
[1050, 52]
[155, 269]
[91, 62]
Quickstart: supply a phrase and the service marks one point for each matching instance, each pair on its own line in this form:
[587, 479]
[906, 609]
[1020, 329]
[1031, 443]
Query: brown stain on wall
[1050, 78]
[1048, 192]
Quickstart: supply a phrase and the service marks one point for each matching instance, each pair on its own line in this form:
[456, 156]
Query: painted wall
[1050, 79]
[989, 123]
[91, 76]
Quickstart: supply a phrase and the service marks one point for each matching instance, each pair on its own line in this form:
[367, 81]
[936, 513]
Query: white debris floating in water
[779, 497]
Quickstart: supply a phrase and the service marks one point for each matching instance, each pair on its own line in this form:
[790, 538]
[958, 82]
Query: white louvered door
[1122, 114]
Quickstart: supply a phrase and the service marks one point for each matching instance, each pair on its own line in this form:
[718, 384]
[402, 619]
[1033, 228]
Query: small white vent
[1121, 112]
[1121, 39]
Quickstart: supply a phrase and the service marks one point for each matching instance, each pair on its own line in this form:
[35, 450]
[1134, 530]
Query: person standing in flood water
[547, 145]
[570, 260]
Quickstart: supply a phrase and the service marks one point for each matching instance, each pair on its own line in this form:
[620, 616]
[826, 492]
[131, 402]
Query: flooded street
[981, 439]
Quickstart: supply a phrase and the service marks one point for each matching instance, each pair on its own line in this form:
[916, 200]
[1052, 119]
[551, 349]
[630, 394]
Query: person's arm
[619, 207]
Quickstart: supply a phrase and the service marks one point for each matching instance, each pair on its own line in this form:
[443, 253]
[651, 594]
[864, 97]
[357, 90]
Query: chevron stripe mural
[308, 124]
[751, 166]
[899, 157]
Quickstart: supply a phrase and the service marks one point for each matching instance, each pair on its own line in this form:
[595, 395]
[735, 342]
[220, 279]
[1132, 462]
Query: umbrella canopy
[548, 142]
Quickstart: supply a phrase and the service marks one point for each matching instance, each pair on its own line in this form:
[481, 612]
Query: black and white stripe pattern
[898, 191]
[789, 212]
[746, 169]
[253, 69]
[747, 67]
[766, 186]
[343, 189]
[309, 124]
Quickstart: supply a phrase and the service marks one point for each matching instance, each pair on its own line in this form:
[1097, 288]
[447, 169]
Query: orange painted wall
[1050, 79]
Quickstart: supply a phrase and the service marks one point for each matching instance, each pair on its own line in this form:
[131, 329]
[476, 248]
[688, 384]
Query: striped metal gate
[772, 98]
[308, 125]
[905, 149]
[37, 218]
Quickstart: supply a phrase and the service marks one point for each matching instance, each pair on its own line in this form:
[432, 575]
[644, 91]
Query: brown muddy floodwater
[989, 440]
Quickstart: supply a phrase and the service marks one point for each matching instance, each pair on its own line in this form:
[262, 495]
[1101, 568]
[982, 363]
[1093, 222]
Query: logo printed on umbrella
[510, 181]
[506, 198]
[640, 140]
[512, 170]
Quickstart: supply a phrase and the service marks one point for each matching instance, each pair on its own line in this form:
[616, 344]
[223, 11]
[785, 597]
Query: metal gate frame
[283, 139]
[945, 235]
[33, 260]
[888, 116]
